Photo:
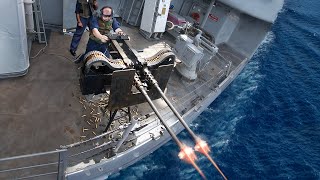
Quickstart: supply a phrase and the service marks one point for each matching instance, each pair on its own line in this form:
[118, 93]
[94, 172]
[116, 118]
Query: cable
[59, 56]
[55, 54]
[39, 52]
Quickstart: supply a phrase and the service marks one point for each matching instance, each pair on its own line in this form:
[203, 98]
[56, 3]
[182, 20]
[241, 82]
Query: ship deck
[41, 110]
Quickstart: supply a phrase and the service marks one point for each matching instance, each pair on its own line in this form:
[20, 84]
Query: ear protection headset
[104, 7]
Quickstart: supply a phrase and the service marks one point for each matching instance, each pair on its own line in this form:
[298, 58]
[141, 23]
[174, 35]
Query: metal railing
[55, 163]
[87, 149]
[34, 170]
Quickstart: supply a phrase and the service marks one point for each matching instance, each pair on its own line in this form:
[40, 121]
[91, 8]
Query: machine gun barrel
[140, 87]
[186, 153]
[201, 145]
[152, 80]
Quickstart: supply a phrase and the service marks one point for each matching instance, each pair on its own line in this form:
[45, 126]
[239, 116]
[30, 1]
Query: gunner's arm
[98, 35]
[77, 12]
[116, 27]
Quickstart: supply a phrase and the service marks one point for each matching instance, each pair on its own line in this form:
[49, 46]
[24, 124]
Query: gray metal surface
[248, 35]
[52, 11]
[131, 11]
[261, 9]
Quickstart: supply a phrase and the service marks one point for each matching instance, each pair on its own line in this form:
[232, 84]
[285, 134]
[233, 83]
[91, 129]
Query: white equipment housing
[154, 18]
[13, 39]
[190, 53]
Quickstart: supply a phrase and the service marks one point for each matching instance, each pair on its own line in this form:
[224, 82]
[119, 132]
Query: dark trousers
[78, 34]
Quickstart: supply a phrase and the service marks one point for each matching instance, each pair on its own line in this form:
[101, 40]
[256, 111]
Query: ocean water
[266, 124]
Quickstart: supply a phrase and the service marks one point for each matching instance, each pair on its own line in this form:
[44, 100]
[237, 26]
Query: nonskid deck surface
[45, 109]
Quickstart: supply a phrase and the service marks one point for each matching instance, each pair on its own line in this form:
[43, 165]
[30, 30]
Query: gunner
[100, 27]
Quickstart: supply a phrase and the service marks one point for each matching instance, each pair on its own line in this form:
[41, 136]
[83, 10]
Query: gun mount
[98, 71]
